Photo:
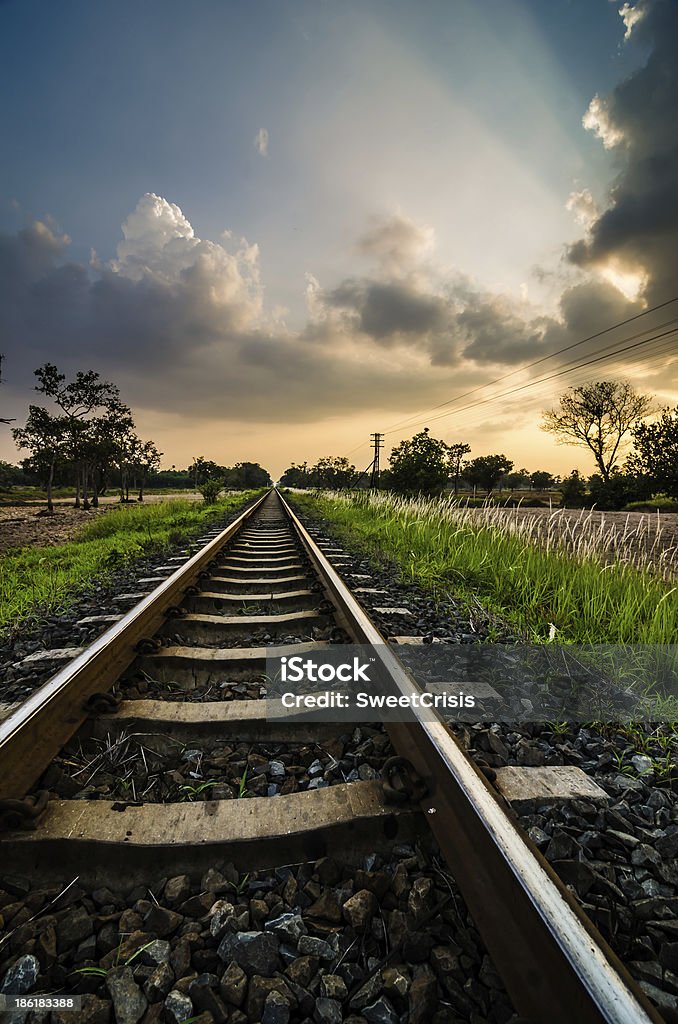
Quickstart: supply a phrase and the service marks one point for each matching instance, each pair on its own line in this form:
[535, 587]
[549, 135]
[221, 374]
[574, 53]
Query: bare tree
[598, 416]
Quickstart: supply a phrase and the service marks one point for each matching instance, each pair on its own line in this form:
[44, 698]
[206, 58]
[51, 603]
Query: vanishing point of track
[554, 964]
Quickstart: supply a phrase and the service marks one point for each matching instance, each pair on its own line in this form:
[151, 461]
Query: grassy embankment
[594, 587]
[35, 581]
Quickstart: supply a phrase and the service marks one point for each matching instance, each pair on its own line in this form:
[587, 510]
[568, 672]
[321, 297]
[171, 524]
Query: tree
[541, 480]
[12, 476]
[618, 491]
[333, 472]
[203, 470]
[520, 478]
[573, 490]
[598, 416]
[146, 459]
[77, 400]
[656, 452]
[45, 436]
[420, 465]
[457, 452]
[247, 476]
[211, 489]
[106, 440]
[296, 476]
[486, 471]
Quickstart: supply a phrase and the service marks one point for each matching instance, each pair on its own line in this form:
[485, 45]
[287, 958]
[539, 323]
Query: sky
[281, 225]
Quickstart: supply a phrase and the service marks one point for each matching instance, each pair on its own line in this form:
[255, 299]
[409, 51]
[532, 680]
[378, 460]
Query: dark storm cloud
[639, 228]
[389, 308]
[178, 324]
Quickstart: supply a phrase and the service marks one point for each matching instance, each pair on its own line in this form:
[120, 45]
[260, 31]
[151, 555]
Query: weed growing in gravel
[103, 971]
[194, 791]
[242, 884]
[39, 581]
[546, 587]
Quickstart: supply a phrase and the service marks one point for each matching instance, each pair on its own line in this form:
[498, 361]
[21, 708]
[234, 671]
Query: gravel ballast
[387, 942]
[620, 859]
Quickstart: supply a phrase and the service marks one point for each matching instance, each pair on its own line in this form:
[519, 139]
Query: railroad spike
[99, 703]
[401, 783]
[147, 645]
[175, 611]
[23, 814]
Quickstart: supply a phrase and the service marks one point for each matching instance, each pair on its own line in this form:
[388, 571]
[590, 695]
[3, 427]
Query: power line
[536, 362]
[526, 366]
[569, 369]
[578, 375]
[552, 376]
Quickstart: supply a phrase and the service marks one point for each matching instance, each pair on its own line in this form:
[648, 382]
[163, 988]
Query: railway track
[263, 586]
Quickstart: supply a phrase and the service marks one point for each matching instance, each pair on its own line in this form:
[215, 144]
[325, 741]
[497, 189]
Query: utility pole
[377, 441]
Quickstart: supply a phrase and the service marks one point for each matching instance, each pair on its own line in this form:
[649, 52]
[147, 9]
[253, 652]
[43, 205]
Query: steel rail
[554, 963]
[37, 730]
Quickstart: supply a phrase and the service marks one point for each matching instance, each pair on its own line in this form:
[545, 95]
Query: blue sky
[460, 121]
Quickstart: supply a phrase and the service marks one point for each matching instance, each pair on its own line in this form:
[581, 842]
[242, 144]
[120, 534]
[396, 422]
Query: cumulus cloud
[180, 322]
[597, 119]
[398, 244]
[631, 16]
[261, 142]
[584, 208]
[635, 237]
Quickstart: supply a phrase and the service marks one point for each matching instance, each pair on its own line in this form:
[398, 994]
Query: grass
[39, 581]
[548, 583]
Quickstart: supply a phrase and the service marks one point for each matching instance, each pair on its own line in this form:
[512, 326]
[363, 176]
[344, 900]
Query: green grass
[483, 558]
[39, 581]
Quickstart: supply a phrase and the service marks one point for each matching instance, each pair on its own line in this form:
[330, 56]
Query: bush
[524, 503]
[210, 490]
[573, 491]
[661, 503]
[621, 489]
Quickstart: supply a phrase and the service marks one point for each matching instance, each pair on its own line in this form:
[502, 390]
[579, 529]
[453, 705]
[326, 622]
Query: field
[582, 577]
[38, 579]
[22, 525]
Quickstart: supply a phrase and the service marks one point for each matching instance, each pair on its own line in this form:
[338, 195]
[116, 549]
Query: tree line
[606, 417]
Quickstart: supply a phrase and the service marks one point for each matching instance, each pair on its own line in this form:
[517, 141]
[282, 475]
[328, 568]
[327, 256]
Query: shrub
[210, 490]
[660, 503]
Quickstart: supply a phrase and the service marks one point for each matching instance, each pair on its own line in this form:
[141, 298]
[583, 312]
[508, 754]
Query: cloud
[387, 310]
[635, 237]
[632, 16]
[397, 243]
[584, 208]
[261, 142]
[597, 119]
[180, 322]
